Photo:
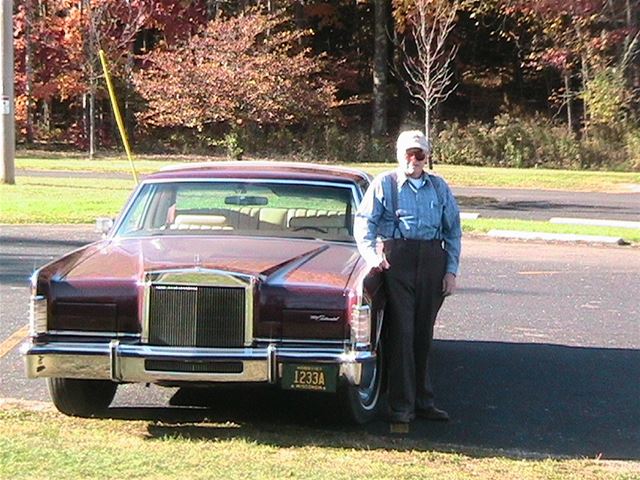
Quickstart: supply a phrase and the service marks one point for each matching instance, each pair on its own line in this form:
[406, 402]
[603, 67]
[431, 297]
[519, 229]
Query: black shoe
[434, 414]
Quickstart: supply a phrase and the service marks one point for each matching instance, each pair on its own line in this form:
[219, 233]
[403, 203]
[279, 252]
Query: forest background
[550, 83]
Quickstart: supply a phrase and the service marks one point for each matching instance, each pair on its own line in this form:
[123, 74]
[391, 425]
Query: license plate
[320, 378]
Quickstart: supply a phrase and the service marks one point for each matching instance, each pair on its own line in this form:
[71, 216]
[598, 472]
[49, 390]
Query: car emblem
[317, 317]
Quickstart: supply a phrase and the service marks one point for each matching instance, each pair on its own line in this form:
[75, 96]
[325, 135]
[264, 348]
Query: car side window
[133, 221]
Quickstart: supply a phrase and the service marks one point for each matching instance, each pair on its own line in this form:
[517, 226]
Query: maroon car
[216, 273]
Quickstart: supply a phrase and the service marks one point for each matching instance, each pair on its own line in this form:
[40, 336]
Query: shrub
[537, 142]
[633, 149]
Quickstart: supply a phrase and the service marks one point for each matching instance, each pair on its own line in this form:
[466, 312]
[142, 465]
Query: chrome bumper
[126, 362]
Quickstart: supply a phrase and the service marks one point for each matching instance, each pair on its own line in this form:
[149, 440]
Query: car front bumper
[125, 362]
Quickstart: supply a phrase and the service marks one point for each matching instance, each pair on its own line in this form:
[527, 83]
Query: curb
[558, 237]
[595, 222]
[563, 237]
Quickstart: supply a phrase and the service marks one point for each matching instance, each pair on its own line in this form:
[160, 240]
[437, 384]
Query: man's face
[415, 160]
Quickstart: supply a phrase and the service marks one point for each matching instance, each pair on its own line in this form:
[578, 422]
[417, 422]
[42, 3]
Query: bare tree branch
[426, 59]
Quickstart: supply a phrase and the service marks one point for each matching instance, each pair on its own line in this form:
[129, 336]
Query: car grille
[195, 316]
[193, 367]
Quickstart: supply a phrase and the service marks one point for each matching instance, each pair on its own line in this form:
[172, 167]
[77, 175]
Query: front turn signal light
[37, 315]
[361, 325]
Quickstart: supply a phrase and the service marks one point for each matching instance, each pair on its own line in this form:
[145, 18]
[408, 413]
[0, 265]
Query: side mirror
[104, 225]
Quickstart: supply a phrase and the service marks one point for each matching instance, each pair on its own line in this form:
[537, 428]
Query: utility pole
[7, 118]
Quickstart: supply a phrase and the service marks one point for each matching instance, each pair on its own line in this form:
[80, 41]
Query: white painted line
[13, 340]
[469, 215]
[595, 222]
[561, 237]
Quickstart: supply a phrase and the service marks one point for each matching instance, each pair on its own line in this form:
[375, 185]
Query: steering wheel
[315, 229]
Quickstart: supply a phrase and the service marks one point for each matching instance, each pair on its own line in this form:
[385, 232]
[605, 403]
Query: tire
[81, 398]
[360, 403]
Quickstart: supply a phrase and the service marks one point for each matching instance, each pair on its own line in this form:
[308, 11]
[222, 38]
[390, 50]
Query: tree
[112, 26]
[589, 40]
[234, 73]
[56, 44]
[427, 57]
[380, 69]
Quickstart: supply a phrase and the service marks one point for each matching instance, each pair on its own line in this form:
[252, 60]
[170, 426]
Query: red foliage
[551, 8]
[245, 69]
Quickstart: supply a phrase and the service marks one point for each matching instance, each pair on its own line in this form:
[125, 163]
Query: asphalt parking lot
[538, 352]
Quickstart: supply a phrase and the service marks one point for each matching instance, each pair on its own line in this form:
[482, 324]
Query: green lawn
[44, 444]
[455, 174]
[57, 200]
[483, 225]
[545, 179]
[61, 200]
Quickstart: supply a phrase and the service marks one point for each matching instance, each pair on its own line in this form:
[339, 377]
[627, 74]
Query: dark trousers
[413, 286]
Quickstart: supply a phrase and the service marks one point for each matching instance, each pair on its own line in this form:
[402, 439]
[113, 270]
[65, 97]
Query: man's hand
[383, 265]
[448, 284]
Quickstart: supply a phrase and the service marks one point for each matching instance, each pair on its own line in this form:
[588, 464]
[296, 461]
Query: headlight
[361, 325]
[37, 315]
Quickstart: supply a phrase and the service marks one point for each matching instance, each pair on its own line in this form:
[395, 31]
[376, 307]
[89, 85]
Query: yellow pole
[116, 112]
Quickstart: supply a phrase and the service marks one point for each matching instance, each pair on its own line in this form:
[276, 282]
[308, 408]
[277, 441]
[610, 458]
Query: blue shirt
[427, 212]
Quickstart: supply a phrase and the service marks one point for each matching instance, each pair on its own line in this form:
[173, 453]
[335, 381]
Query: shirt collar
[402, 177]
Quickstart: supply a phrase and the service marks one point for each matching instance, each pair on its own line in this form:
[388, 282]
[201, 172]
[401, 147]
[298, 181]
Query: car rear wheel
[360, 403]
[81, 398]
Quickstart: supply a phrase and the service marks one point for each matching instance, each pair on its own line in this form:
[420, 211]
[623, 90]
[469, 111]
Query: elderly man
[417, 218]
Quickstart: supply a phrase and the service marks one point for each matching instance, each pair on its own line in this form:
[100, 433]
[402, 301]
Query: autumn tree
[380, 69]
[56, 44]
[427, 55]
[588, 43]
[247, 69]
[40, 61]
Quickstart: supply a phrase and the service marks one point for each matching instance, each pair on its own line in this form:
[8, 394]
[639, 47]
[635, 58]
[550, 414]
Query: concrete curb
[558, 237]
[594, 222]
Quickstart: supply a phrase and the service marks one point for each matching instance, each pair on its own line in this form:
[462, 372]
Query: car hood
[274, 260]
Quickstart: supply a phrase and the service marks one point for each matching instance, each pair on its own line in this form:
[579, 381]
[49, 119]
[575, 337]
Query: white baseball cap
[411, 139]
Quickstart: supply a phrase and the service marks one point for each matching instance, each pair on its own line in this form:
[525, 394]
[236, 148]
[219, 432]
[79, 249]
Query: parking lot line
[14, 339]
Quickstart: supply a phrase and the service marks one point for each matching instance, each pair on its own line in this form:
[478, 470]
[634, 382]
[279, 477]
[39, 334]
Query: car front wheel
[81, 398]
[360, 403]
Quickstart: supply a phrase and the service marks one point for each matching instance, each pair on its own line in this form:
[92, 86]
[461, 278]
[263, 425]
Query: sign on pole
[6, 105]
[7, 120]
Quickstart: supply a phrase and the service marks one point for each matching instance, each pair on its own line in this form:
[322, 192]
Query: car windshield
[255, 208]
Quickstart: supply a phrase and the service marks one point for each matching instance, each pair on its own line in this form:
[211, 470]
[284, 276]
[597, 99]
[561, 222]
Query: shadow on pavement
[17, 267]
[539, 397]
[71, 243]
[517, 398]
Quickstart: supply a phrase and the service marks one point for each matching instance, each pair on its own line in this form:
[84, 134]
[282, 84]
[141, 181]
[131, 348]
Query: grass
[58, 200]
[44, 444]
[483, 225]
[531, 178]
[61, 200]
[456, 174]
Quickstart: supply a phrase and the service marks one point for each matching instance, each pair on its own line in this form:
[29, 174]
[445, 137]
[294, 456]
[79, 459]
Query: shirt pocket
[435, 213]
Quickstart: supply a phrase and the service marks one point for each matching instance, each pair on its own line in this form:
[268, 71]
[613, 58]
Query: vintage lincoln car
[216, 273]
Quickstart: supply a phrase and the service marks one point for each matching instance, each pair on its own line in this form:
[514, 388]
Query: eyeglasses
[418, 154]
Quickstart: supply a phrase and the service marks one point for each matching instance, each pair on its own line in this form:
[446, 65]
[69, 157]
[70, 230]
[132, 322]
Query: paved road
[539, 351]
[523, 204]
[545, 204]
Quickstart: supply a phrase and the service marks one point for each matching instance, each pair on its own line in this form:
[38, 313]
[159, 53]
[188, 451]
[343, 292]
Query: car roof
[262, 170]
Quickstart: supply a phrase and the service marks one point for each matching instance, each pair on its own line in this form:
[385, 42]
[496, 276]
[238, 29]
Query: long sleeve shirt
[425, 212]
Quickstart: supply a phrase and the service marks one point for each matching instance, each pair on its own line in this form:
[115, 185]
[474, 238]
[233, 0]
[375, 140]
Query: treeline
[497, 82]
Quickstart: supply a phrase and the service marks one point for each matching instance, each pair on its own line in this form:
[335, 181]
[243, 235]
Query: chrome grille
[193, 367]
[196, 316]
